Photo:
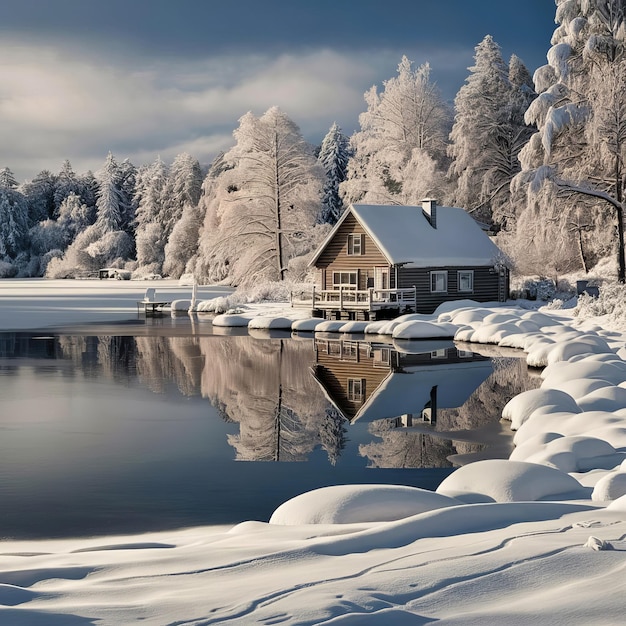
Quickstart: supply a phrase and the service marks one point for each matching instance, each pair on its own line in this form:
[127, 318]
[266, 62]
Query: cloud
[67, 103]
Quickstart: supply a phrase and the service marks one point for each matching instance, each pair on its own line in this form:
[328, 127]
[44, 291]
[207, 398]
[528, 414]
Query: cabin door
[381, 281]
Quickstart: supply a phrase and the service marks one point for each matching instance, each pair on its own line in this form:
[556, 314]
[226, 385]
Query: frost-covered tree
[66, 183]
[7, 179]
[149, 219]
[112, 201]
[576, 159]
[182, 218]
[39, 194]
[13, 220]
[334, 156]
[183, 188]
[269, 198]
[403, 133]
[74, 215]
[489, 131]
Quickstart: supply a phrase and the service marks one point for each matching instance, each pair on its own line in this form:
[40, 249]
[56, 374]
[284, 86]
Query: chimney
[429, 206]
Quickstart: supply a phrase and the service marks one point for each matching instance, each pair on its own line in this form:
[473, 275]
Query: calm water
[136, 428]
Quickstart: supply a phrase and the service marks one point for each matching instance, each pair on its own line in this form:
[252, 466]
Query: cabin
[382, 261]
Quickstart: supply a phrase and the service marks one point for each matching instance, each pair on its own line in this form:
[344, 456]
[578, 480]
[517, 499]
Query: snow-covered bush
[268, 291]
[7, 270]
[610, 301]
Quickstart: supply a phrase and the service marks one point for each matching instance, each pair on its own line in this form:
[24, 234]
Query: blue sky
[141, 78]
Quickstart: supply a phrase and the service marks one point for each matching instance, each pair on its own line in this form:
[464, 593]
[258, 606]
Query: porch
[346, 299]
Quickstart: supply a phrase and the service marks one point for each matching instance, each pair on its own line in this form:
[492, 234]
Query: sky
[149, 78]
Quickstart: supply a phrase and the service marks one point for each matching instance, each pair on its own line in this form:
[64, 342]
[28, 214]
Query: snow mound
[607, 398]
[329, 326]
[610, 487]
[585, 368]
[579, 387]
[450, 307]
[180, 305]
[307, 325]
[354, 327]
[230, 320]
[510, 481]
[351, 504]
[424, 330]
[521, 407]
[577, 454]
[270, 322]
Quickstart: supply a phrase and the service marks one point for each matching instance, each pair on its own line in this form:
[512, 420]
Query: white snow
[501, 542]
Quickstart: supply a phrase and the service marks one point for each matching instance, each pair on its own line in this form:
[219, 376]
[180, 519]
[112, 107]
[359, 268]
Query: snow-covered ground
[536, 539]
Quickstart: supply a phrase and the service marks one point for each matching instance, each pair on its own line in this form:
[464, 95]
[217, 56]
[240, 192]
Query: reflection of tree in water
[399, 447]
[263, 385]
[266, 387]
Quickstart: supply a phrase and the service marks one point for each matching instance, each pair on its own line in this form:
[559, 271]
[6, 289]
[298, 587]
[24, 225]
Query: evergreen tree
[149, 220]
[39, 194]
[7, 179]
[333, 156]
[489, 131]
[13, 219]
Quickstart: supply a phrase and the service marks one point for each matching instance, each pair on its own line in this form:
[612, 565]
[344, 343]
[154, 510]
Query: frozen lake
[146, 426]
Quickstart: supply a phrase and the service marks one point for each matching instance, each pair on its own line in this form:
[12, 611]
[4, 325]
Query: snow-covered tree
[66, 182]
[577, 156]
[183, 188]
[334, 156]
[149, 221]
[112, 201]
[407, 123]
[39, 193]
[13, 219]
[270, 198]
[7, 179]
[489, 131]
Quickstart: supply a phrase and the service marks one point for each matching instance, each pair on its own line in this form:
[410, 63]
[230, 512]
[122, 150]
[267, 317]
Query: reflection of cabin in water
[372, 381]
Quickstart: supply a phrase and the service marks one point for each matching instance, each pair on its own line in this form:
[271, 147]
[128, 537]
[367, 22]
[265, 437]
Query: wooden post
[370, 298]
[341, 298]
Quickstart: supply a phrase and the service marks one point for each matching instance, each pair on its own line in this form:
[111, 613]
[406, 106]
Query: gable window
[356, 389]
[355, 245]
[466, 280]
[438, 282]
[345, 279]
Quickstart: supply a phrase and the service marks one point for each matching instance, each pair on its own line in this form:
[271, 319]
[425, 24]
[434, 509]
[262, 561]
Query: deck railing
[345, 298]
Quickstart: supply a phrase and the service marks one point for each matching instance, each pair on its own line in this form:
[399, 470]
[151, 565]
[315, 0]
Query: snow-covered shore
[535, 539]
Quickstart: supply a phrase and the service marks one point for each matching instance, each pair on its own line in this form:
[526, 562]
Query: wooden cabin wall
[485, 286]
[335, 257]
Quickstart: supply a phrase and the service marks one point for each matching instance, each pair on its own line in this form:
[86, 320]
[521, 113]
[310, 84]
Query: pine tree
[39, 194]
[13, 219]
[489, 132]
[7, 179]
[333, 157]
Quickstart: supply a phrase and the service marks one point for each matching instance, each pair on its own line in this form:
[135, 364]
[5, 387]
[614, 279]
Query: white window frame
[470, 274]
[344, 279]
[356, 389]
[355, 244]
[433, 284]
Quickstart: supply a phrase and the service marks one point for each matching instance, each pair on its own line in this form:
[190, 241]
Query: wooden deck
[352, 300]
[152, 309]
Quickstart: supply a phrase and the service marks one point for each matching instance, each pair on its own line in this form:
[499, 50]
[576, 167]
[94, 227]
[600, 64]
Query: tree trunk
[277, 208]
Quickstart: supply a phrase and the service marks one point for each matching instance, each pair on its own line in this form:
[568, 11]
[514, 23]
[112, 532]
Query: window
[345, 279]
[355, 245]
[466, 280]
[439, 282]
[442, 353]
[356, 389]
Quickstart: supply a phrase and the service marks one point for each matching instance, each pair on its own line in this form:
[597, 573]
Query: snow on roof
[405, 236]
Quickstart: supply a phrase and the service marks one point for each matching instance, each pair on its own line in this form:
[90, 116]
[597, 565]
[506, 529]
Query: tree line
[540, 160]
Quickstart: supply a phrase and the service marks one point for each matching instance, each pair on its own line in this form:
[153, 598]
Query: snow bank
[349, 504]
[501, 480]
[226, 320]
[521, 407]
[270, 322]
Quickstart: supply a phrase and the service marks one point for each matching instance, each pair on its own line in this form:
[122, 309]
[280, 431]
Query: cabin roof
[405, 236]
